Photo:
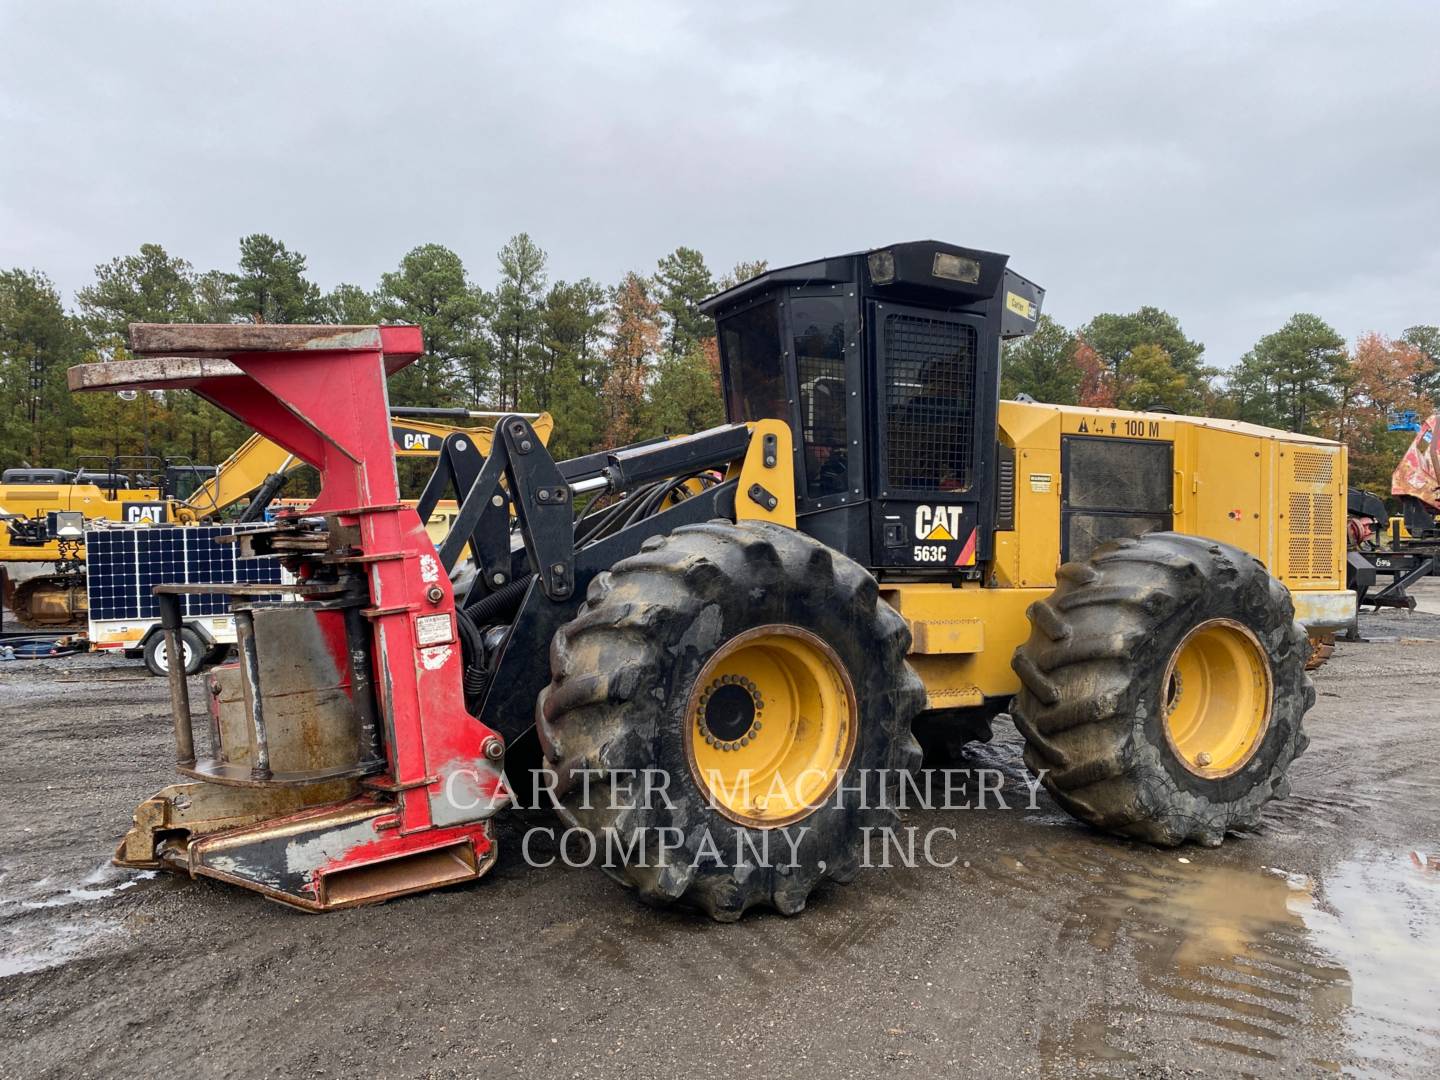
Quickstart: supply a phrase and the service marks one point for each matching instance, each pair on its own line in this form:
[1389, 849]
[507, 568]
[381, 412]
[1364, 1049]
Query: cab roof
[912, 261]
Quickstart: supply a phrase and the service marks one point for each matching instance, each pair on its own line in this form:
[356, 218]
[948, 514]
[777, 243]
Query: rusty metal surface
[201, 809]
[1321, 649]
[311, 727]
[148, 373]
[227, 339]
[299, 588]
[399, 877]
[294, 858]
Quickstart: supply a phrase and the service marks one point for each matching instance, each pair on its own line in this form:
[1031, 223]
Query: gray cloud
[1233, 162]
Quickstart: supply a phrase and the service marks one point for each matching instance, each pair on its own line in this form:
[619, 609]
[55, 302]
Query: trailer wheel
[1163, 686]
[191, 647]
[726, 715]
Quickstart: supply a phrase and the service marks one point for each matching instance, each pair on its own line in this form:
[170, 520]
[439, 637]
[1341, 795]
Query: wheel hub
[730, 709]
[770, 726]
[1217, 692]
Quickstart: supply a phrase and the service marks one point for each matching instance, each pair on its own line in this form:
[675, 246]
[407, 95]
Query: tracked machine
[764, 621]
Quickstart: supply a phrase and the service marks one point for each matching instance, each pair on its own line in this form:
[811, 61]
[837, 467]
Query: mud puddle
[1250, 958]
[46, 923]
[1379, 917]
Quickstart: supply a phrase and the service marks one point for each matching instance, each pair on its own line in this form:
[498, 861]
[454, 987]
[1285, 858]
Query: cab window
[754, 366]
[818, 328]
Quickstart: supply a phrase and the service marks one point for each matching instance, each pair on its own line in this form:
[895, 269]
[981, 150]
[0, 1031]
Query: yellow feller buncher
[874, 548]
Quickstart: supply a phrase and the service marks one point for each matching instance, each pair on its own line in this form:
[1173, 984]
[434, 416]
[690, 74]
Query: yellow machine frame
[1278, 495]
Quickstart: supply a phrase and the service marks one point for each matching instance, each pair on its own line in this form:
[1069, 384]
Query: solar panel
[123, 566]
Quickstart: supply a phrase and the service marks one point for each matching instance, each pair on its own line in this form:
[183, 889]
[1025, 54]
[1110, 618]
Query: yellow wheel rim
[770, 726]
[1216, 697]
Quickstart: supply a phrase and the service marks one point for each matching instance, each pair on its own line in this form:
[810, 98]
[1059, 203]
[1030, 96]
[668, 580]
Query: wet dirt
[1034, 947]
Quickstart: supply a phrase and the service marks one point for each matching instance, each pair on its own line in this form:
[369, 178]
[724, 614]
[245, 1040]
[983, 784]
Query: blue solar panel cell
[125, 565]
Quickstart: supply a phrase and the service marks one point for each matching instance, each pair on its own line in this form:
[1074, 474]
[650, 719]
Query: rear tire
[191, 646]
[634, 669]
[1106, 720]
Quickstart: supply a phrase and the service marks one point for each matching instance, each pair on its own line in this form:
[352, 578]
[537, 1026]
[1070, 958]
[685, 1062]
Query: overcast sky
[1232, 162]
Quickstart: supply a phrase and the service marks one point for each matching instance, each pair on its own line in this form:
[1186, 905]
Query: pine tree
[151, 286]
[1289, 378]
[742, 273]
[154, 287]
[1426, 382]
[683, 396]
[572, 321]
[38, 344]
[271, 286]
[349, 305]
[516, 322]
[430, 290]
[682, 280]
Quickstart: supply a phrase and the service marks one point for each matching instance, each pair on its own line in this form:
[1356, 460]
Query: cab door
[935, 430]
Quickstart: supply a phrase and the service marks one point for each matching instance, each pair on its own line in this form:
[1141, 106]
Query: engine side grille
[1005, 489]
[1310, 534]
[1314, 467]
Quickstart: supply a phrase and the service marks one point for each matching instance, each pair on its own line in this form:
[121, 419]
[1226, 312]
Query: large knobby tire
[1100, 705]
[625, 680]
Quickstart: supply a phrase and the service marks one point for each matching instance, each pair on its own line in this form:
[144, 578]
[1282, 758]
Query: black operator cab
[886, 365]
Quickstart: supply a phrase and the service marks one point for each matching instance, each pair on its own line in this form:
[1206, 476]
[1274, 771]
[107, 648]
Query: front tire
[720, 650]
[1163, 687]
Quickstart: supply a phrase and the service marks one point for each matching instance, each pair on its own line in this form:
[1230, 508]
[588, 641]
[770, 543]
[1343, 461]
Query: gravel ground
[1045, 949]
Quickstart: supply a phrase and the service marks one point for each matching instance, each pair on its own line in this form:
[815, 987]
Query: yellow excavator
[44, 512]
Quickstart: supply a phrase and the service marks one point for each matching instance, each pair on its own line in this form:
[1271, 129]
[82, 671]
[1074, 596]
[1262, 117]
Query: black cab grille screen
[929, 403]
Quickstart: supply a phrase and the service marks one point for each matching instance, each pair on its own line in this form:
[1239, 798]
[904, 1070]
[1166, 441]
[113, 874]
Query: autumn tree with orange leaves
[1097, 387]
[634, 342]
[1382, 377]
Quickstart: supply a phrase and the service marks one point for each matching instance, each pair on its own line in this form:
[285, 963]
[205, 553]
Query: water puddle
[46, 923]
[1262, 965]
[32, 948]
[1380, 918]
[105, 881]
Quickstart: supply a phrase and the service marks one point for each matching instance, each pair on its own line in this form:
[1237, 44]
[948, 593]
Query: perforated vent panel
[1005, 489]
[1314, 467]
[1311, 536]
[930, 403]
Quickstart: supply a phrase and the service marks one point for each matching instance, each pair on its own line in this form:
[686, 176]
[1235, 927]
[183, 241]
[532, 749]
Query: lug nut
[1202, 759]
